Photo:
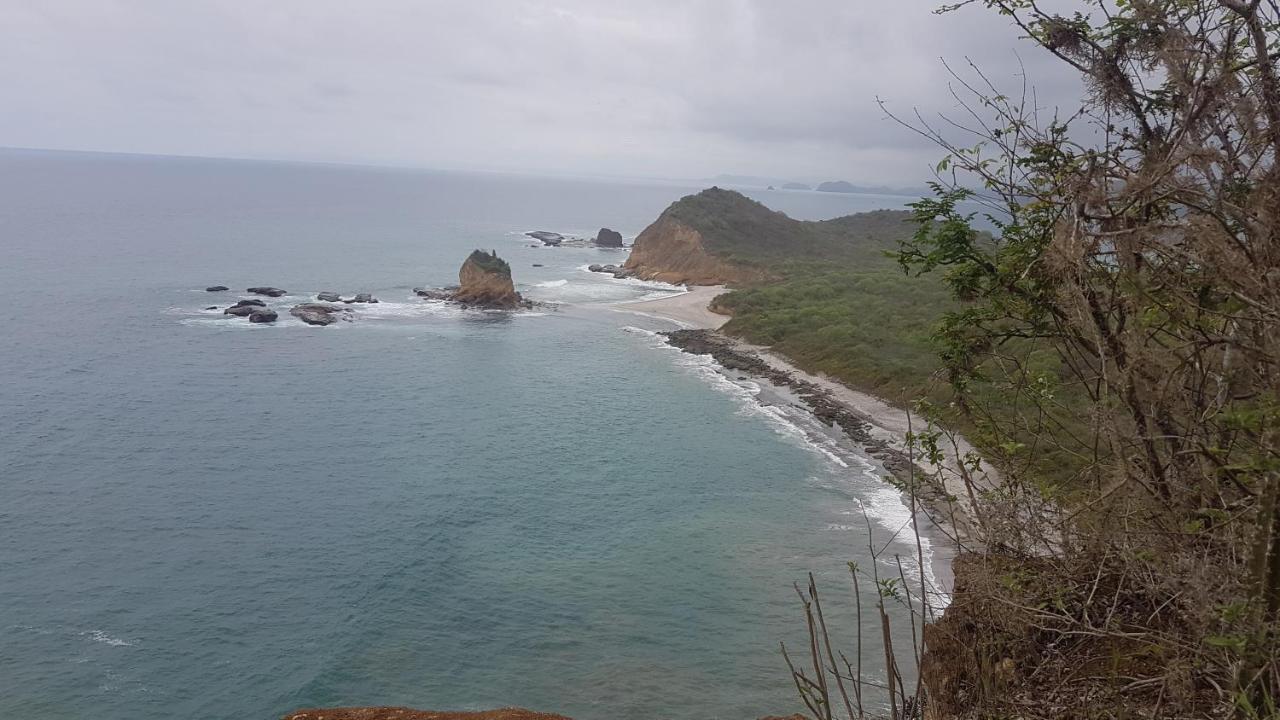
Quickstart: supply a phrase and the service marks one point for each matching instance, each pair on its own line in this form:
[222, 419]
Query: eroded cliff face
[671, 251]
[485, 279]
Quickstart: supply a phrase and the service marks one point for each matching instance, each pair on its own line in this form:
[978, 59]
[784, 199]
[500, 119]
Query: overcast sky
[664, 88]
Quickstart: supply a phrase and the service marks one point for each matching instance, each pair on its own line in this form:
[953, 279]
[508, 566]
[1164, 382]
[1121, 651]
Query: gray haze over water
[207, 519]
[665, 88]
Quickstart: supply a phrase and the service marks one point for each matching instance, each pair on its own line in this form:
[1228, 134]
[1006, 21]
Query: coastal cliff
[671, 251]
[485, 279]
[722, 237]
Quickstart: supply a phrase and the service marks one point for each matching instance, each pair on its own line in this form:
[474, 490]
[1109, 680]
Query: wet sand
[687, 309]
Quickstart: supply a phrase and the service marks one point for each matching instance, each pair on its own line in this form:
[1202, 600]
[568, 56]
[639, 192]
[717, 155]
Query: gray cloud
[666, 87]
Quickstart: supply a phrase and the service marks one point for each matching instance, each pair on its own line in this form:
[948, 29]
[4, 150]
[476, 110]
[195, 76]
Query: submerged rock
[618, 272]
[547, 237]
[327, 296]
[217, 288]
[245, 308]
[609, 238]
[318, 314]
[434, 293]
[263, 315]
[266, 290]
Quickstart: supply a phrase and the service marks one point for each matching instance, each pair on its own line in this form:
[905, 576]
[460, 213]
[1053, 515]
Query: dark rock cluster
[617, 271]
[266, 290]
[819, 401]
[256, 310]
[319, 313]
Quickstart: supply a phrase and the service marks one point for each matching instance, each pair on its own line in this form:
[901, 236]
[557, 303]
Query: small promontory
[693, 241]
[485, 280]
[722, 237]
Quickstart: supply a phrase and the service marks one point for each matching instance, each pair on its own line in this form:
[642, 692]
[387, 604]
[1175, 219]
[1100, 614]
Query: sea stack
[608, 238]
[485, 280]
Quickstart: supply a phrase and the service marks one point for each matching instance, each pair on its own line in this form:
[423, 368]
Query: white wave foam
[551, 284]
[104, 638]
[883, 504]
[417, 309]
[747, 393]
[887, 506]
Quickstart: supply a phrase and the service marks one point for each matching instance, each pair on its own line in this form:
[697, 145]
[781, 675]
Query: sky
[659, 88]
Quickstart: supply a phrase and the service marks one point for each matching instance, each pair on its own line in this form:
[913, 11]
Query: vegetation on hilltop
[836, 301]
[1125, 316]
[1115, 348]
[738, 228]
[490, 262]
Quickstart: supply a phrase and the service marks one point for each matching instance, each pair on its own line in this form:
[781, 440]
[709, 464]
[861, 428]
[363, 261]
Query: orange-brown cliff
[671, 251]
[722, 237]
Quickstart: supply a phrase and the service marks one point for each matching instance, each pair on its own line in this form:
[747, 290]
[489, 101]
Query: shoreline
[687, 309]
[870, 422]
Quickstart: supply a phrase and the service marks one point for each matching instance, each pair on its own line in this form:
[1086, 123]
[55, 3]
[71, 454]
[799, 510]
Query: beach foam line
[747, 394]
[884, 505]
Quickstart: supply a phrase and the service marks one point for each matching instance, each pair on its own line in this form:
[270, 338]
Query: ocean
[428, 506]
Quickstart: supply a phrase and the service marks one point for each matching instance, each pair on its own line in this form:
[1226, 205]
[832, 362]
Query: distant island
[838, 186]
[829, 186]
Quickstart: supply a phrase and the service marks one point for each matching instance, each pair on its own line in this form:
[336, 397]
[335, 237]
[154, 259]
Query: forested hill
[735, 226]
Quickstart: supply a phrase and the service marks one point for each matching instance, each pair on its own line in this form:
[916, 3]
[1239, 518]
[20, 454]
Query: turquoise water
[200, 518]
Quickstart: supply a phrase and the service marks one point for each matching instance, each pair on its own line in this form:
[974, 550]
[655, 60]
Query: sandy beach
[686, 309]
[887, 423]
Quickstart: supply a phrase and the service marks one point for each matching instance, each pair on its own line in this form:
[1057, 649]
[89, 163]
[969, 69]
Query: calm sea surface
[200, 518]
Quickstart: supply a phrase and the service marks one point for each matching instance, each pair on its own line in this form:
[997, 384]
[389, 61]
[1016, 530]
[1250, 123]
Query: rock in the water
[263, 315]
[328, 296]
[609, 238]
[317, 314]
[217, 288]
[620, 273]
[547, 237]
[537, 264]
[266, 290]
[245, 308]
[364, 298]
[485, 280]
[433, 293]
